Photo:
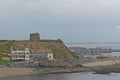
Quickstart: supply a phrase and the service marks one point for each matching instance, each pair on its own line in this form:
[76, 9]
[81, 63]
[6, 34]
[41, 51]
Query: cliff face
[56, 47]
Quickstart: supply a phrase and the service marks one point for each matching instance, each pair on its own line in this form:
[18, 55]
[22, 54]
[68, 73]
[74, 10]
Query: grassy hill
[5, 46]
[57, 47]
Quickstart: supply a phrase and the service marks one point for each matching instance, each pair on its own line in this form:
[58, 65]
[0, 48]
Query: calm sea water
[70, 76]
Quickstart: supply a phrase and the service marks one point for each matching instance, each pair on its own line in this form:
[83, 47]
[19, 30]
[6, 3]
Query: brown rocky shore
[104, 66]
[107, 71]
[98, 66]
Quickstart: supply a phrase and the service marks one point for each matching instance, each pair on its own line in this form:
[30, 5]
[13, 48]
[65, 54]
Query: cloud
[95, 15]
[83, 10]
[117, 27]
[60, 7]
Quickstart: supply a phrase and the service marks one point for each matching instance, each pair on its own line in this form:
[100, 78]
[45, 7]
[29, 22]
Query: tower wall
[34, 36]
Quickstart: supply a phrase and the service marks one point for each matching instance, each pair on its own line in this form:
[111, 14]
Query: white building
[25, 54]
[42, 56]
[50, 56]
[20, 53]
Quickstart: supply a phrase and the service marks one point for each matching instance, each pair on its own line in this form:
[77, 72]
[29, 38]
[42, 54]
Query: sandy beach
[102, 63]
[7, 72]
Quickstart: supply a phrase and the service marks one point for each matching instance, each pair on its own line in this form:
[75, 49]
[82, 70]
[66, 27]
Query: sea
[113, 45]
[68, 76]
[75, 76]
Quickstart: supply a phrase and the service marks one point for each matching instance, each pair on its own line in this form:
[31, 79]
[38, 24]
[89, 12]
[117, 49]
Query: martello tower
[34, 36]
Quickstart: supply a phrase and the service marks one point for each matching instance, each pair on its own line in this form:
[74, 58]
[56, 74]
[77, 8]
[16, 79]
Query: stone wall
[34, 36]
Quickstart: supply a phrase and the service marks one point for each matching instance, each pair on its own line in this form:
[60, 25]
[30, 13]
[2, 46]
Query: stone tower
[34, 36]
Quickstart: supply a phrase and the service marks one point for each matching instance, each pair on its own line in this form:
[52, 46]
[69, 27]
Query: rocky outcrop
[107, 71]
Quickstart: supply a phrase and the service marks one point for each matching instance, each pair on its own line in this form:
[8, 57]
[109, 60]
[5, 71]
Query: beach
[8, 72]
[101, 66]
[98, 63]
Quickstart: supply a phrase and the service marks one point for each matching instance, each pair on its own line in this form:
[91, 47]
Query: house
[20, 53]
[6, 57]
[50, 56]
[41, 56]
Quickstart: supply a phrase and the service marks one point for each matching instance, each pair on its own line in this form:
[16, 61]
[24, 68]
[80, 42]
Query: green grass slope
[57, 47]
[5, 46]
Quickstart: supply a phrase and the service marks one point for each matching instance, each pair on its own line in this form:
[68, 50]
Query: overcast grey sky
[69, 20]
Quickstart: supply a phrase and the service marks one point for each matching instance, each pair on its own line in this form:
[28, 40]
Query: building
[20, 54]
[34, 36]
[90, 51]
[84, 53]
[6, 57]
[41, 56]
[50, 56]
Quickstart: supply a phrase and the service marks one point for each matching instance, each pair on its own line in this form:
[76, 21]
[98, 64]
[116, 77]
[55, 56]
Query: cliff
[57, 47]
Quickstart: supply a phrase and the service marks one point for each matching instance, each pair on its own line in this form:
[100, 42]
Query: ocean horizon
[114, 45]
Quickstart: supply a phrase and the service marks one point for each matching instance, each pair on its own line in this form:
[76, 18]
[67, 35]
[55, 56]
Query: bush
[3, 62]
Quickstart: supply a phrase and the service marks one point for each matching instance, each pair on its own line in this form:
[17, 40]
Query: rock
[107, 71]
[102, 72]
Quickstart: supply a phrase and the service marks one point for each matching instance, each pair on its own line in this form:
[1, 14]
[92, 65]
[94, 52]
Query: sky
[73, 21]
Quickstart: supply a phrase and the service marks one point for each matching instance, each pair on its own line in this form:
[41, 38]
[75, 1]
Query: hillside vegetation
[5, 46]
[56, 47]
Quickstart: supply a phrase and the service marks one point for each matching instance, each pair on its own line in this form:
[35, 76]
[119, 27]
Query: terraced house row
[21, 54]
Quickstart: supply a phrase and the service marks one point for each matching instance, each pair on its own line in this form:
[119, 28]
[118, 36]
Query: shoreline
[99, 67]
[22, 71]
[15, 71]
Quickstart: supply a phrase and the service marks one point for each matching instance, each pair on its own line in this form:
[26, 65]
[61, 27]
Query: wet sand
[7, 72]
